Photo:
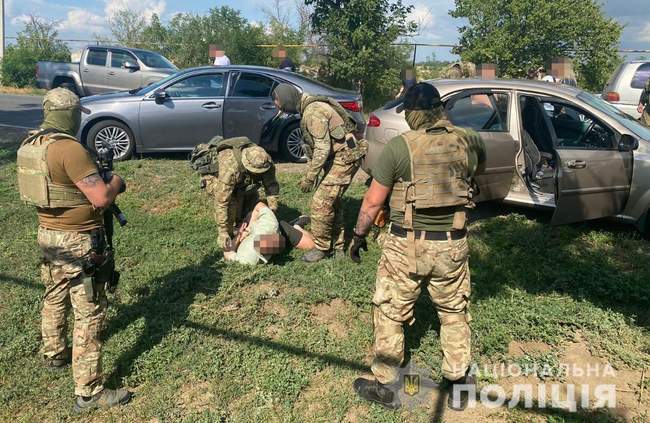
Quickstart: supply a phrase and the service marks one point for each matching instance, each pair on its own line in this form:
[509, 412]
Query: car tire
[291, 143]
[119, 136]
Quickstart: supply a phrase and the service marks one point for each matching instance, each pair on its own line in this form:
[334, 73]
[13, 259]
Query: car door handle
[267, 106]
[111, 73]
[86, 70]
[211, 105]
[576, 164]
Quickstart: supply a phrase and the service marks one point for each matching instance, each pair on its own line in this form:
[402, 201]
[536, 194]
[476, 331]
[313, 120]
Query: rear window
[641, 76]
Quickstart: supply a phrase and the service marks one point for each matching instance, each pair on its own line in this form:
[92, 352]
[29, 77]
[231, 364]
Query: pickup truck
[104, 69]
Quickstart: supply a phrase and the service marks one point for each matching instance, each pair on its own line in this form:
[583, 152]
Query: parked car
[105, 69]
[625, 86]
[193, 105]
[548, 145]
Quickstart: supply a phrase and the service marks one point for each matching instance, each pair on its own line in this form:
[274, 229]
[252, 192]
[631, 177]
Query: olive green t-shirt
[394, 164]
[69, 162]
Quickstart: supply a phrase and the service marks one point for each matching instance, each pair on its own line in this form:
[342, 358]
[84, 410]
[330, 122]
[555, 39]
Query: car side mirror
[160, 96]
[628, 143]
[131, 66]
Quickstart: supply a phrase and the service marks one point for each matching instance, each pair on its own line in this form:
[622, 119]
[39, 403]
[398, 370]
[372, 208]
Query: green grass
[199, 340]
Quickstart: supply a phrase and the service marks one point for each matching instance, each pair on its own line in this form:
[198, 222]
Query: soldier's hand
[358, 243]
[306, 185]
[120, 181]
[640, 108]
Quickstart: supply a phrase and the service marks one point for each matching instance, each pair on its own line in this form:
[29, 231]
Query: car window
[575, 128]
[154, 60]
[253, 85]
[118, 58]
[641, 76]
[481, 112]
[207, 85]
[96, 57]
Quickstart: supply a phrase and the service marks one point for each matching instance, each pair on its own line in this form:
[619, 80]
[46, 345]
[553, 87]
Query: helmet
[256, 160]
[61, 99]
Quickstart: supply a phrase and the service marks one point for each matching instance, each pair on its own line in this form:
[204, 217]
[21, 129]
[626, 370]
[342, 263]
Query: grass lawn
[199, 340]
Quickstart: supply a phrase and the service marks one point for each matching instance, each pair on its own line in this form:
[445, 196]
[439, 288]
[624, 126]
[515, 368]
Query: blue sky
[81, 19]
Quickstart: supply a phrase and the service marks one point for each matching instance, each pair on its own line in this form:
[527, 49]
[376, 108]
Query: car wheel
[115, 134]
[292, 144]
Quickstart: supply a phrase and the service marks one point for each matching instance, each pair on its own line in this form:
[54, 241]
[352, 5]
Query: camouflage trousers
[62, 274]
[442, 266]
[327, 217]
[645, 118]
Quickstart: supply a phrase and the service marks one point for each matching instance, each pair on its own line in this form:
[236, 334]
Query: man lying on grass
[261, 236]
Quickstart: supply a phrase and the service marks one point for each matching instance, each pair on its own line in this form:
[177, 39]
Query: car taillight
[373, 121]
[353, 106]
[613, 96]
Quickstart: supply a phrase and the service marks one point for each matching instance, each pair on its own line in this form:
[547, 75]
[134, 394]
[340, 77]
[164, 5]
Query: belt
[428, 235]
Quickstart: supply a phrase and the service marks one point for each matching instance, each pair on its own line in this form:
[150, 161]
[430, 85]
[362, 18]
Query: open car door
[486, 112]
[594, 166]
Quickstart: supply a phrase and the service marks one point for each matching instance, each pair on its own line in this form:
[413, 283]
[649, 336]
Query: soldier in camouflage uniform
[243, 169]
[427, 241]
[643, 105]
[459, 70]
[335, 157]
[58, 176]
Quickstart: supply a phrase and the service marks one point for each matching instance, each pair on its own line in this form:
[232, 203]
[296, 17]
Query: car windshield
[624, 119]
[154, 86]
[154, 60]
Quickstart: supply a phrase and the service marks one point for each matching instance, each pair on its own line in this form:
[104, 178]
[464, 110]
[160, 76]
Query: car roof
[446, 86]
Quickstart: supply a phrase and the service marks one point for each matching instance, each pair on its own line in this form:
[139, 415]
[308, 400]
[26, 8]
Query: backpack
[203, 158]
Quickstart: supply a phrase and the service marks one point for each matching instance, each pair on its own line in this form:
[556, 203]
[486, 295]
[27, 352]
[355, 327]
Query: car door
[120, 78]
[94, 71]
[189, 113]
[487, 112]
[248, 105]
[593, 176]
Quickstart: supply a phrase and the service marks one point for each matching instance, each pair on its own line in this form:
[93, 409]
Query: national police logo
[412, 385]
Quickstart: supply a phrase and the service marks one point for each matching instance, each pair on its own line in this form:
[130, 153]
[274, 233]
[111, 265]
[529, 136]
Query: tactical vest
[338, 130]
[203, 158]
[440, 175]
[34, 180]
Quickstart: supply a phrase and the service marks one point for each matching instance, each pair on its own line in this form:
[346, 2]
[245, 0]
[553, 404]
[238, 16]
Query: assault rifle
[105, 165]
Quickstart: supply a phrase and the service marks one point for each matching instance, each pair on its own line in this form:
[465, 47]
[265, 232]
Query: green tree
[519, 35]
[360, 36]
[127, 27]
[37, 41]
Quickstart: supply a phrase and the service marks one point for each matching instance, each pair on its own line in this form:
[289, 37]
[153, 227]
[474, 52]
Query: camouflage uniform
[235, 188]
[332, 157]
[459, 70]
[62, 273]
[645, 100]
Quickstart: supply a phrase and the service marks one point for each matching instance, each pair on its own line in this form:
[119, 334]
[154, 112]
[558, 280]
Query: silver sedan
[193, 105]
[547, 146]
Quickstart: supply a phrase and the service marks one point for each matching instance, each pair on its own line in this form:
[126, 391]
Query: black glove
[358, 243]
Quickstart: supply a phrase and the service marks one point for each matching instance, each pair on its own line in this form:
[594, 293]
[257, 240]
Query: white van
[626, 85]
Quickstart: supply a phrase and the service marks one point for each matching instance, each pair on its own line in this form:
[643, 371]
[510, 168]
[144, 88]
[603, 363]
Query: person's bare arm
[373, 201]
[99, 193]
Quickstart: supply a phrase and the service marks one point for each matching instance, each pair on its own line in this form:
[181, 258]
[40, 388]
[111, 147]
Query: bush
[36, 42]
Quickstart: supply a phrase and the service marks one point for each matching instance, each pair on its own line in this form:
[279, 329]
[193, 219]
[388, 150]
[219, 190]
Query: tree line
[356, 39]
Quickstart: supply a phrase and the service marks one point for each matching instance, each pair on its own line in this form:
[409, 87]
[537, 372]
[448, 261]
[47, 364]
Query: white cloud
[145, 7]
[422, 16]
[82, 20]
[20, 19]
[644, 35]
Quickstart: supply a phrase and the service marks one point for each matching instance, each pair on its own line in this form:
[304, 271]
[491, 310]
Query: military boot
[372, 390]
[458, 398]
[339, 254]
[104, 399]
[59, 362]
[314, 255]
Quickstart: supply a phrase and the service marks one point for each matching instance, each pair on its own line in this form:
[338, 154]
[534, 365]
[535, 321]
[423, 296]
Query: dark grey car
[193, 105]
